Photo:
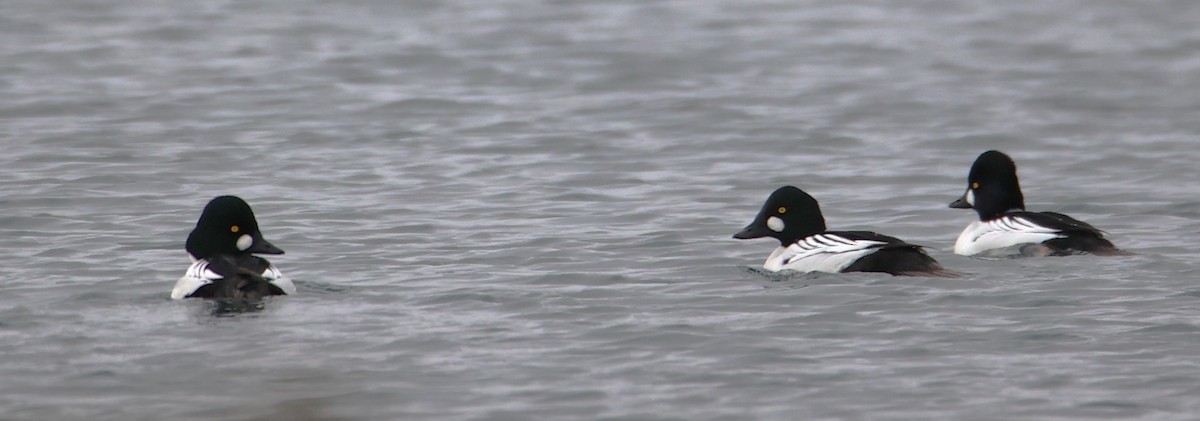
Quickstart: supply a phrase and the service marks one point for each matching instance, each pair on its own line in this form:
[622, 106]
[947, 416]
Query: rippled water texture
[522, 209]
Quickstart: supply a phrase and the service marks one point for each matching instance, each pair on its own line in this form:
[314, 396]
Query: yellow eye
[782, 210]
[234, 228]
[975, 185]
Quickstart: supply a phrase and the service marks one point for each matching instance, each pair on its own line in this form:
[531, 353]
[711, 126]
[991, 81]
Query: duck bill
[262, 246]
[962, 202]
[754, 230]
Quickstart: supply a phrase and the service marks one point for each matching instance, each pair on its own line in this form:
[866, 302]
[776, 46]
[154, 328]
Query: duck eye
[782, 210]
[234, 229]
[975, 185]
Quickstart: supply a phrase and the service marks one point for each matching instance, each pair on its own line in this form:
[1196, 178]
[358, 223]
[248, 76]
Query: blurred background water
[522, 209]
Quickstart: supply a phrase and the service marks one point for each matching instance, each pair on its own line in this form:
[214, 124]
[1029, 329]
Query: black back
[242, 278]
[993, 183]
[906, 261]
[801, 216]
[1078, 236]
[873, 236]
[896, 257]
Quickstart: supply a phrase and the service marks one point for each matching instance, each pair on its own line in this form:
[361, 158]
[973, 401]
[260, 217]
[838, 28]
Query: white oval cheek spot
[775, 224]
[971, 197]
[244, 242]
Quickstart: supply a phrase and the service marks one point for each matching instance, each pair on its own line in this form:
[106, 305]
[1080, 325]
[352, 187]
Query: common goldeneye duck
[1004, 227]
[223, 264]
[794, 218]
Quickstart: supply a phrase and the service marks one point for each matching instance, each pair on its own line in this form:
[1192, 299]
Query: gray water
[516, 210]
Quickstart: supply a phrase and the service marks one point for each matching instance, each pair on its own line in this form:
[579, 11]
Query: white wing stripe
[820, 253]
[275, 277]
[844, 240]
[809, 243]
[200, 270]
[199, 275]
[1001, 233]
[1015, 224]
[1028, 224]
[824, 241]
[196, 276]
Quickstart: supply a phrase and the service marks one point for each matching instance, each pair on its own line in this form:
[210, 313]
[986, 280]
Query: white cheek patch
[244, 242]
[971, 197]
[775, 224]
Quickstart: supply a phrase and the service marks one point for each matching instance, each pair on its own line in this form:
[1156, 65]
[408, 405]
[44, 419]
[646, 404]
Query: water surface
[522, 209]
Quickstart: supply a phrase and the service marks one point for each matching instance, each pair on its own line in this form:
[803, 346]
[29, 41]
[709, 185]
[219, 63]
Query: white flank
[820, 253]
[1001, 233]
[197, 275]
[275, 277]
[244, 242]
[775, 224]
